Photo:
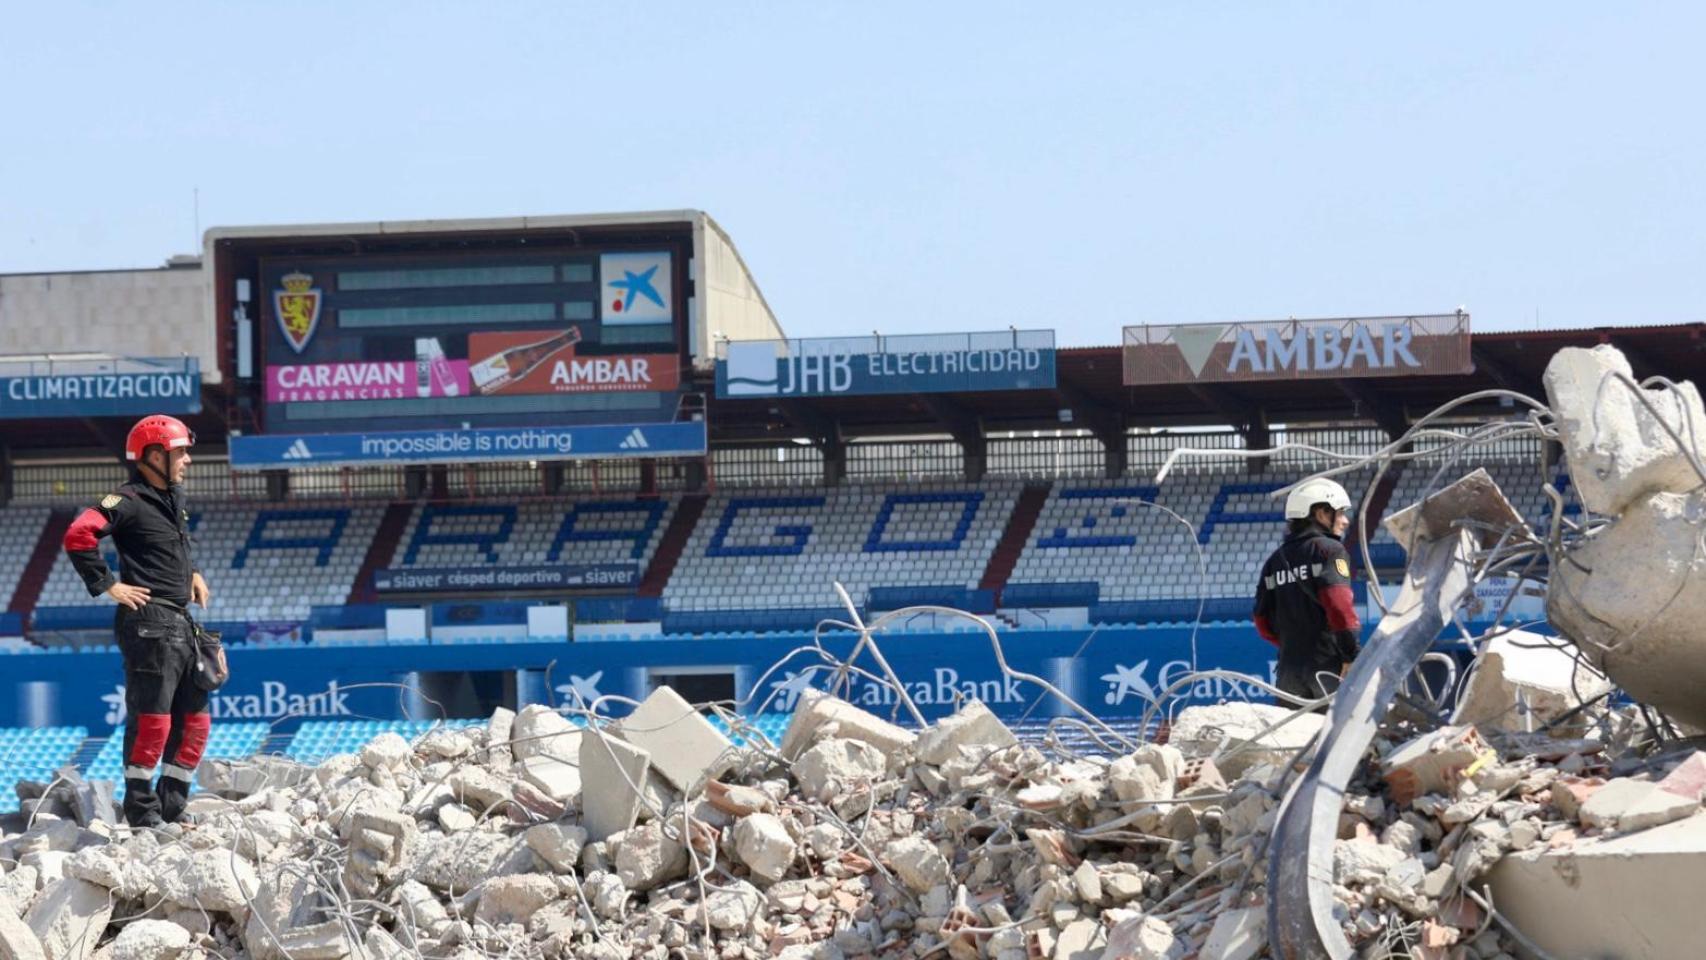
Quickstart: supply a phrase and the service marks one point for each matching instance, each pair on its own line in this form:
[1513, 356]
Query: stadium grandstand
[633, 499]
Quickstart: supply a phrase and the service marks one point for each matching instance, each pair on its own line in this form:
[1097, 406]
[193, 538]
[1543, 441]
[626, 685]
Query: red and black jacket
[150, 529]
[1304, 604]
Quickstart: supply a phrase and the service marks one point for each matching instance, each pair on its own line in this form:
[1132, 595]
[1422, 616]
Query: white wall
[134, 313]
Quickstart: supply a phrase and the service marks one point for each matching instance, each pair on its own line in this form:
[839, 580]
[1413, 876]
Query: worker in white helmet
[1303, 601]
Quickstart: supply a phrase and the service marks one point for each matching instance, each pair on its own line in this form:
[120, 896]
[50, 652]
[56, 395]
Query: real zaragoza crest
[298, 308]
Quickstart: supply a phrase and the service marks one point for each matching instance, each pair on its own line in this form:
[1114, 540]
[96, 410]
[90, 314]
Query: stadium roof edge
[406, 227]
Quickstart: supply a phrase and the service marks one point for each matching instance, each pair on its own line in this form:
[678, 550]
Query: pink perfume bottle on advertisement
[433, 375]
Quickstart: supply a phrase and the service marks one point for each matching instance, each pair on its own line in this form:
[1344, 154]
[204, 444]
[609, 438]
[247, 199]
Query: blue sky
[916, 167]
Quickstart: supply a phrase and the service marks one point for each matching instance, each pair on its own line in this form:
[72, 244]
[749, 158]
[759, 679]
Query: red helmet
[168, 432]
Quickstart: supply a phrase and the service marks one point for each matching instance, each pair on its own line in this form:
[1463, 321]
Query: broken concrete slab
[235, 779]
[1237, 935]
[735, 907]
[1637, 618]
[1523, 680]
[1688, 778]
[972, 728]
[1142, 938]
[1236, 731]
[558, 844]
[1433, 762]
[498, 731]
[150, 940]
[558, 780]
[69, 918]
[762, 842]
[514, 899]
[1625, 804]
[649, 855]
[1632, 896]
[816, 712]
[613, 776]
[17, 940]
[833, 767]
[686, 750]
[1618, 450]
[917, 863]
[540, 731]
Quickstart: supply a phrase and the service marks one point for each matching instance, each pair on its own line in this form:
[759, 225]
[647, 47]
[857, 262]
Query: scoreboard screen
[357, 342]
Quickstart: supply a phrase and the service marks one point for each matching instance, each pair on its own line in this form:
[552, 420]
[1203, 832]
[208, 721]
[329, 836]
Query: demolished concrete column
[1633, 594]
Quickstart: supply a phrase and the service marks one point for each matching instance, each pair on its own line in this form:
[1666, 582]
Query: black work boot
[174, 796]
[141, 805]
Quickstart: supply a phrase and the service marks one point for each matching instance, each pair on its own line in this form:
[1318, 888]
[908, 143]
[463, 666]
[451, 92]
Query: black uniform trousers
[166, 712]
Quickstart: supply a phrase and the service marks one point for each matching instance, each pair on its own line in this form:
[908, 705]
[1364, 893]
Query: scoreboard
[436, 339]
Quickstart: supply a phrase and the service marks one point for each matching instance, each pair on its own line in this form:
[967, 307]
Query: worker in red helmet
[166, 711]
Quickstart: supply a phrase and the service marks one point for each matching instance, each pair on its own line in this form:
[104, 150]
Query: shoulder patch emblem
[1343, 566]
[110, 501]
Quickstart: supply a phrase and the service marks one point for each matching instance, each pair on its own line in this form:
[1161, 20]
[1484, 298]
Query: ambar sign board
[1298, 349]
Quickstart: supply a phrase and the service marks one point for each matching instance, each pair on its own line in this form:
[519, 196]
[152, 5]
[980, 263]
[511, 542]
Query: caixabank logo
[636, 287]
[1135, 686]
[941, 687]
[275, 701]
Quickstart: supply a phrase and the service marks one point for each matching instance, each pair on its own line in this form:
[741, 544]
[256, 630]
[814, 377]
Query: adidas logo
[634, 441]
[299, 451]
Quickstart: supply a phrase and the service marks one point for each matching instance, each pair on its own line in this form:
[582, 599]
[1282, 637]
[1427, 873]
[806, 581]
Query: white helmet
[1310, 492]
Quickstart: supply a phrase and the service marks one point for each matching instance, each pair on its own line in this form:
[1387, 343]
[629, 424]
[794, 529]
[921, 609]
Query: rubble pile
[655, 837]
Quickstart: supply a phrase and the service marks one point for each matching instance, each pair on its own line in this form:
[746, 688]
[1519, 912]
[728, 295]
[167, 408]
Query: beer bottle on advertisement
[500, 370]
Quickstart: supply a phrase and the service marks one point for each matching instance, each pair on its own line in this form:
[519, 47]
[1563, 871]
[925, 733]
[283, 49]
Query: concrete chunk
[558, 844]
[1638, 616]
[613, 773]
[1237, 935]
[686, 750]
[151, 940]
[835, 767]
[1689, 777]
[1431, 763]
[972, 728]
[1617, 449]
[498, 731]
[917, 863]
[1142, 938]
[1625, 804]
[69, 919]
[1200, 731]
[1523, 680]
[540, 731]
[763, 844]
[17, 940]
[817, 710]
[648, 855]
[1634, 896]
[514, 899]
[558, 780]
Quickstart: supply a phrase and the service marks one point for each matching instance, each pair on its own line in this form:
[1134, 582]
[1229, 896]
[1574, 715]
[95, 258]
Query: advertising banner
[530, 577]
[533, 362]
[105, 394]
[1298, 350]
[851, 366]
[463, 446]
[315, 382]
[1119, 674]
[469, 339]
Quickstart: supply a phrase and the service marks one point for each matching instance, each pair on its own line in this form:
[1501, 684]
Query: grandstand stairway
[87, 753]
[46, 551]
[670, 548]
[382, 551]
[1014, 538]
